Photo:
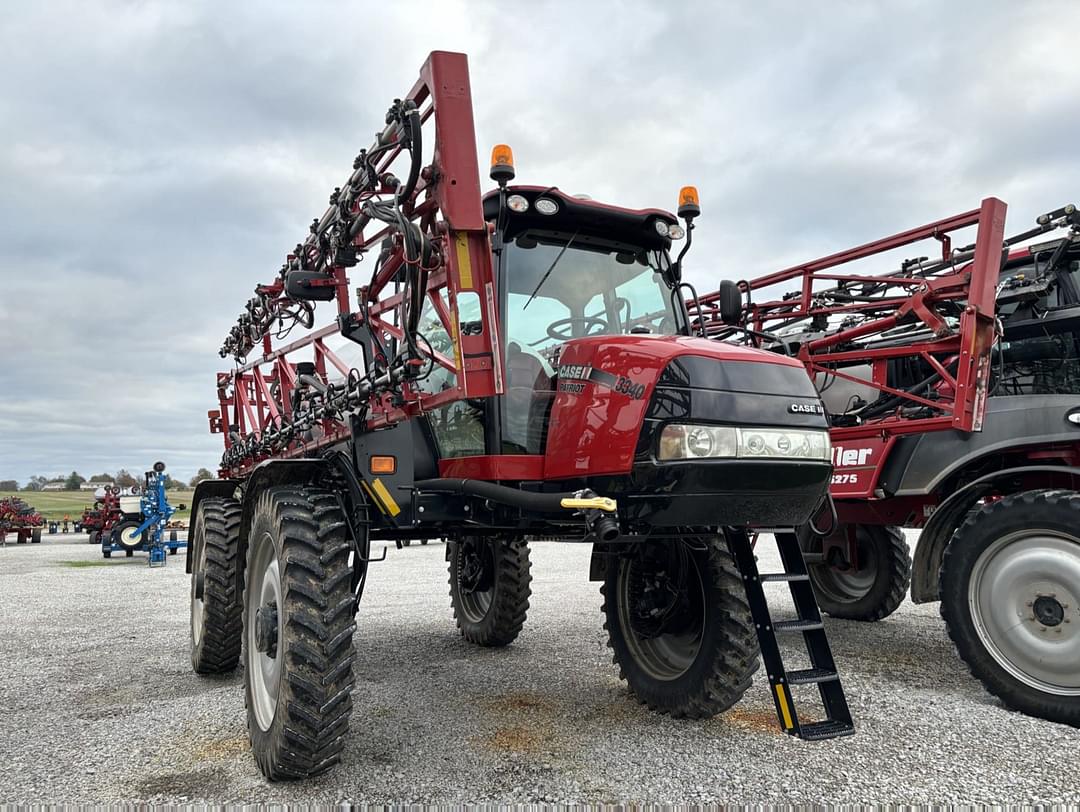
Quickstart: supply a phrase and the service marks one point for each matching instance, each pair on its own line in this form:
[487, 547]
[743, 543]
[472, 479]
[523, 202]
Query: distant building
[53, 486]
[93, 486]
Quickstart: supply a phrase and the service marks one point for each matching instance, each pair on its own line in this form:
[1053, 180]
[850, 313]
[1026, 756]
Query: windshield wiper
[547, 273]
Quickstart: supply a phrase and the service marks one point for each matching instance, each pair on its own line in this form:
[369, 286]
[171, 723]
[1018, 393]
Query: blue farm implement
[143, 523]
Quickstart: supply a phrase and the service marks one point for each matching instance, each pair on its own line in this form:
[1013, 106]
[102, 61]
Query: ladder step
[813, 558]
[829, 729]
[783, 576]
[809, 676]
[798, 625]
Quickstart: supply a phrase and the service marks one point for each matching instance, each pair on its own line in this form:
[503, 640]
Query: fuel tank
[615, 395]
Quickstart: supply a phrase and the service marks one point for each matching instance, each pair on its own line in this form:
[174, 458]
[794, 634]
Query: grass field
[55, 504]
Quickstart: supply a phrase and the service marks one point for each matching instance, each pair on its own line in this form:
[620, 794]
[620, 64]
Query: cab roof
[589, 217]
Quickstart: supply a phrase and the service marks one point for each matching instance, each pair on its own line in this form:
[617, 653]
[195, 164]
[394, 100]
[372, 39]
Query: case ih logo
[572, 379]
[806, 408]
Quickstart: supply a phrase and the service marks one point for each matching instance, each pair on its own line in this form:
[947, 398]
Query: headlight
[545, 205]
[688, 442]
[661, 227]
[517, 203]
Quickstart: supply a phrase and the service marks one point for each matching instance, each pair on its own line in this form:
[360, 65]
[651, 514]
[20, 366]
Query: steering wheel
[567, 325]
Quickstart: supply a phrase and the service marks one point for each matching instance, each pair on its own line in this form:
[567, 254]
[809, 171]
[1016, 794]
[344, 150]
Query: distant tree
[36, 483]
[199, 477]
[173, 484]
[8, 485]
[124, 479]
[101, 478]
[73, 481]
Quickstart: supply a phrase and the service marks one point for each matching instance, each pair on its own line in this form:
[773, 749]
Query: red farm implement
[515, 366]
[21, 520]
[99, 519]
[952, 386]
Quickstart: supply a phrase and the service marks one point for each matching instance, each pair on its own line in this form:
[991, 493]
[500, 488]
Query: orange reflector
[383, 465]
[502, 163]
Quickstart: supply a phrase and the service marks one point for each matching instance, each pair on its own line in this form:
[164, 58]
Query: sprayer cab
[605, 389]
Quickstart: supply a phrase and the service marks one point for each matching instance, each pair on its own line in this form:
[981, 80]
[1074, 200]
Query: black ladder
[822, 670]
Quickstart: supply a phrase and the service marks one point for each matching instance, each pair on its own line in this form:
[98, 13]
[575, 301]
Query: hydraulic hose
[599, 521]
[527, 500]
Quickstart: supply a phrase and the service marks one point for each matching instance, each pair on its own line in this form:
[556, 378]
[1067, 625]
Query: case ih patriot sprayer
[527, 373]
[953, 391]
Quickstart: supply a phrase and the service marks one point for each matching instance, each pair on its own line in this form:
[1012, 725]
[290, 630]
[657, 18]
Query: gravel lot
[98, 704]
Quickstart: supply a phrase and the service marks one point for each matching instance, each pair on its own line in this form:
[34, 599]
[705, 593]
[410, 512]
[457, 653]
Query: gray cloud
[158, 159]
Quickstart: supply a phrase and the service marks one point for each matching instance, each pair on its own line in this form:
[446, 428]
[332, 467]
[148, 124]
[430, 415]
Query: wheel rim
[198, 608]
[668, 652]
[128, 537]
[476, 578]
[1022, 596]
[850, 585]
[263, 670]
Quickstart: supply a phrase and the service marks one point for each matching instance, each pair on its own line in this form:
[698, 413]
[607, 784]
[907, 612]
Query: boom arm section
[936, 316]
[425, 227]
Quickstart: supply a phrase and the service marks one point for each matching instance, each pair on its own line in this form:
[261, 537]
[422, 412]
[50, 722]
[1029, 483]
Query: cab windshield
[592, 290]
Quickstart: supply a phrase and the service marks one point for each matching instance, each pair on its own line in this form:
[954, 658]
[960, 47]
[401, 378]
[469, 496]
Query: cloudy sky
[158, 159]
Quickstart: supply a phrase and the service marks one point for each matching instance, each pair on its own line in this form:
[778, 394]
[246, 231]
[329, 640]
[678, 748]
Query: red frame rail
[447, 206]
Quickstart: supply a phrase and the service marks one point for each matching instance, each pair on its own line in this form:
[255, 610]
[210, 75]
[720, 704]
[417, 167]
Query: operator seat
[529, 395]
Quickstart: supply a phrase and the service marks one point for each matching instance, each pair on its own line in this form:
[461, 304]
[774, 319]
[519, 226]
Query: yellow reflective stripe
[464, 263]
[592, 503]
[372, 496]
[784, 712]
[392, 507]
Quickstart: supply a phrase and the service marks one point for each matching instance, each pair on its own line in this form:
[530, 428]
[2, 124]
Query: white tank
[130, 504]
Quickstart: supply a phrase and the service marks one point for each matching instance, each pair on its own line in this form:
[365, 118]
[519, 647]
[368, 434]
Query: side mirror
[730, 302]
[299, 287]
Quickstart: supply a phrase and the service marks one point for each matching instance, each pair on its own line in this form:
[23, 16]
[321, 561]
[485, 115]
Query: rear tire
[699, 658]
[873, 591]
[35, 536]
[95, 537]
[1018, 559]
[298, 629]
[216, 614]
[489, 588]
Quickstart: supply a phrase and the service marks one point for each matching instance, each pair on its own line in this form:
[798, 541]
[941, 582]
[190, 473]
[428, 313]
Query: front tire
[873, 591]
[216, 608]
[679, 625]
[489, 588]
[1010, 597]
[298, 629]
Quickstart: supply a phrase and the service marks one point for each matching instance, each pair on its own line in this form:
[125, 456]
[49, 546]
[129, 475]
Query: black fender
[207, 489]
[939, 529]
[269, 474]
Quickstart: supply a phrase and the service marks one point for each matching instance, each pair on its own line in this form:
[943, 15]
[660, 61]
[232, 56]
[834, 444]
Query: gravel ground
[98, 704]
